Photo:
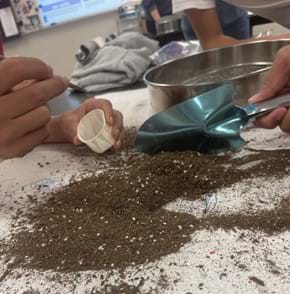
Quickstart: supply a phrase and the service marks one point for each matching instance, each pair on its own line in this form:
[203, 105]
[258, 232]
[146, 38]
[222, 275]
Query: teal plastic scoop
[208, 123]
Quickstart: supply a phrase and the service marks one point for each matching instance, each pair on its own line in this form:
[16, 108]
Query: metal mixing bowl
[176, 81]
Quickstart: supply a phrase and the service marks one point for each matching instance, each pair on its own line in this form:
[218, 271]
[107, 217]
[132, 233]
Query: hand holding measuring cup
[94, 123]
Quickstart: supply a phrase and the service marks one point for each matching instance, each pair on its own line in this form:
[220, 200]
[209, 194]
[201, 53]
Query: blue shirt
[228, 13]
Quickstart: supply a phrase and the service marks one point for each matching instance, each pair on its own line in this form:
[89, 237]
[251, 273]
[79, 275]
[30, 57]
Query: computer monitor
[54, 12]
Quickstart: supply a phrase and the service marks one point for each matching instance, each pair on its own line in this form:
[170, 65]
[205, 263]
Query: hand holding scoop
[208, 123]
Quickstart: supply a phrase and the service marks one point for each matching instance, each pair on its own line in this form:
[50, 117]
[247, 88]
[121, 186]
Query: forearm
[208, 29]
[223, 41]
[219, 42]
[155, 14]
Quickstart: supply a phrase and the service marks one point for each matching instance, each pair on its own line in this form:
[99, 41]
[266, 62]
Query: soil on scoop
[116, 219]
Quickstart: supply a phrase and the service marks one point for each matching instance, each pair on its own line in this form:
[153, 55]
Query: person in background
[154, 10]
[234, 22]
[203, 15]
[25, 121]
[205, 21]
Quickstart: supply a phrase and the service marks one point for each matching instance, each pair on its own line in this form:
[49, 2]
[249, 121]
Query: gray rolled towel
[121, 62]
[87, 52]
[134, 40]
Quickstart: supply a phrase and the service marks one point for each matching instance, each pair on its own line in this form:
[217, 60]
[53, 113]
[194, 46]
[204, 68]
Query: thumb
[277, 78]
[70, 120]
[76, 140]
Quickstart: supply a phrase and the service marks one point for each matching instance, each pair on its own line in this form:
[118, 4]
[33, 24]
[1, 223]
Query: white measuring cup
[95, 132]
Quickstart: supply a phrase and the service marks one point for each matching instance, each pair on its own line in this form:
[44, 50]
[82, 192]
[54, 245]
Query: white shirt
[275, 10]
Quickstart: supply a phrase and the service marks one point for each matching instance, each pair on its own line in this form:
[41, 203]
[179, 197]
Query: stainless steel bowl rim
[206, 83]
[210, 50]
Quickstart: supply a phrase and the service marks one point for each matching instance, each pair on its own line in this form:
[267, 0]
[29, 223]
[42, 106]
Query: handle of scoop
[263, 107]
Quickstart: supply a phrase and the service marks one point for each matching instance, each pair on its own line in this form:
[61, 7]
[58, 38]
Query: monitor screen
[53, 12]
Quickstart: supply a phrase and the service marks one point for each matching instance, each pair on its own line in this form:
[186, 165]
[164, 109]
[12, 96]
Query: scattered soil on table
[268, 221]
[257, 281]
[123, 288]
[116, 219]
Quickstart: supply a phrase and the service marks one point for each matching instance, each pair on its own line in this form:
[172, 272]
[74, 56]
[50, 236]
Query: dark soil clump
[257, 281]
[117, 219]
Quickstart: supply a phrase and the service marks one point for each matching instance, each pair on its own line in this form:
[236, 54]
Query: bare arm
[207, 27]
[155, 14]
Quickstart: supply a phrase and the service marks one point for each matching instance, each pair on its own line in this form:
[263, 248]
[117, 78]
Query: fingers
[23, 85]
[13, 129]
[76, 140]
[118, 143]
[117, 129]
[277, 78]
[273, 119]
[31, 121]
[26, 84]
[17, 103]
[24, 144]
[18, 69]
[71, 119]
[103, 104]
[285, 124]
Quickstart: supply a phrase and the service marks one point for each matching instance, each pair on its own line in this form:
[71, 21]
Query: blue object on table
[191, 125]
[209, 123]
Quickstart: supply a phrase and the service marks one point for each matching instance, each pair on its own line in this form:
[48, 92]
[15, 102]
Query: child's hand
[70, 120]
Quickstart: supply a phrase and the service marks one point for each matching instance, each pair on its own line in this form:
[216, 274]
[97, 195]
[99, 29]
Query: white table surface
[134, 104]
